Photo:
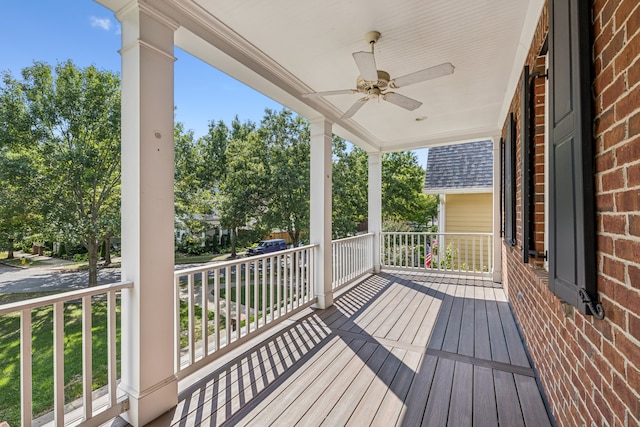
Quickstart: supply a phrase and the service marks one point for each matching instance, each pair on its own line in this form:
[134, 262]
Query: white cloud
[102, 23]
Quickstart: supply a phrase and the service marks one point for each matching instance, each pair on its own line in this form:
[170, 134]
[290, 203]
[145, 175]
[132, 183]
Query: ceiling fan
[375, 83]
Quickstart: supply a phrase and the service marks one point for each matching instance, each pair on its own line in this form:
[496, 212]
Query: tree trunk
[294, 235]
[107, 251]
[92, 247]
[234, 240]
[10, 251]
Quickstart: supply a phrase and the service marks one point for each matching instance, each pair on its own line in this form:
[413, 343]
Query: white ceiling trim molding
[526, 37]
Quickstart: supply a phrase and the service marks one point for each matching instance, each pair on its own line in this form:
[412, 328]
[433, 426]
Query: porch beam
[147, 213]
[375, 205]
[320, 215]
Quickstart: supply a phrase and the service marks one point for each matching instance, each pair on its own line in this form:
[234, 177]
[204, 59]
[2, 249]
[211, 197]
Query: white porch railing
[352, 257]
[104, 409]
[451, 252]
[219, 306]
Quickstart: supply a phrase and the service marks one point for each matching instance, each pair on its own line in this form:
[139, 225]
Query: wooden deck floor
[401, 348]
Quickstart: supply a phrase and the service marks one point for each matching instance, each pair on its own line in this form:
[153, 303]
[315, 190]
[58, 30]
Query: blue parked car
[268, 246]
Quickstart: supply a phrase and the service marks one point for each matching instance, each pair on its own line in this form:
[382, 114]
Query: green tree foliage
[402, 184]
[241, 197]
[19, 213]
[69, 118]
[350, 174]
[212, 148]
[194, 198]
[287, 142]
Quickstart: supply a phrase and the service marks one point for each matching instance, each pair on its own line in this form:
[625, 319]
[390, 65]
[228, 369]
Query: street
[46, 278]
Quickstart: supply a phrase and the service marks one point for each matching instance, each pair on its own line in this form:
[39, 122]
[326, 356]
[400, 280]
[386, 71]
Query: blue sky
[53, 31]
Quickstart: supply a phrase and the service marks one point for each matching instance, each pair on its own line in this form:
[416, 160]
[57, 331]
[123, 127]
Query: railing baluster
[205, 313]
[227, 302]
[256, 293]
[176, 321]
[247, 296]
[466, 254]
[58, 363]
[26, 385]
[272, 265]
[87, 369]
[279, 287]
[112, 367]
[216, 308]
[191, 316]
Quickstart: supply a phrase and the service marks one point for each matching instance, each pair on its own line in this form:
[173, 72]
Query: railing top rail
[62, 297]
[359, 236]
[223, 264]
[434, 233]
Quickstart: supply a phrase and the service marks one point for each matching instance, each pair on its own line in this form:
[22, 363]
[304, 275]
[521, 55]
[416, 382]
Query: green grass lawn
[284, 292]
[42, 363]
[184, 323]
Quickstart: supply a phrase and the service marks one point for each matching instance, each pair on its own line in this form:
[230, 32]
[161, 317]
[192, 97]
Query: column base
[148, 405]
[497, 277]
[324, 301]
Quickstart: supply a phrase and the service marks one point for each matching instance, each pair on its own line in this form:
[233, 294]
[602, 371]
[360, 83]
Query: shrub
[80, 257]
[191, 245]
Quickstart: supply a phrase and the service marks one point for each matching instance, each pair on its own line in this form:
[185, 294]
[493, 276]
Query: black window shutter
[510, 183]
[525, 163]
[572, 259]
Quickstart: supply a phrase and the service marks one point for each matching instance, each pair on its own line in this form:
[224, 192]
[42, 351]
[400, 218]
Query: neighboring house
[462, 175]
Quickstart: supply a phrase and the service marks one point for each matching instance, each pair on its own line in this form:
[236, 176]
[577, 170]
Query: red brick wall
[589, 368]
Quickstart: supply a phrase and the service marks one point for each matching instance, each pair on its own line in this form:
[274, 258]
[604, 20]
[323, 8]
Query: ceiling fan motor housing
[382, 83]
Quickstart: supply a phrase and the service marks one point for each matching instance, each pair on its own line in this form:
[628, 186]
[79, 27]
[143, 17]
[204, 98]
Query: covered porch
[404, 345]
[399, 348]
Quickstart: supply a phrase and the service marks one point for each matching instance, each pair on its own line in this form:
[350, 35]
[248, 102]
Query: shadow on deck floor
[401, 348]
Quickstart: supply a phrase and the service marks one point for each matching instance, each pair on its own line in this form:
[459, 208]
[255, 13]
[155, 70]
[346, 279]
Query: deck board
[461, 406]
[484, 399]
[402, 348]
[437, 411]
[367, 407]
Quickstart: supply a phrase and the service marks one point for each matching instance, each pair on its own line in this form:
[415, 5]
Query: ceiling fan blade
[423, 75]
[366, 63]
[329, 92]
[401, 101]
[355, 107]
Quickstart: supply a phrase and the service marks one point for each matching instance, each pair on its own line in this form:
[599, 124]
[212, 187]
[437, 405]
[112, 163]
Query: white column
[497, 240]
[375, 205]
[442, 214]
[320, 216]
[147, 214]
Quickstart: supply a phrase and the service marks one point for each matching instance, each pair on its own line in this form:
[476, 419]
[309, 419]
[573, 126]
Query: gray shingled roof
[459, 166]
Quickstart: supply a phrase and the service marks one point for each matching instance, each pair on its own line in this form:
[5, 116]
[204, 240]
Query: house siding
[589, 368]
[469, 213]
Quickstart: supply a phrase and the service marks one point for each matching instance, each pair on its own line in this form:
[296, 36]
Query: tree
[18, 202]
[212, 148]
[287, 140]
[402, 185]
[349, 181]
[242, 190]
[194, 199]
[72, 121]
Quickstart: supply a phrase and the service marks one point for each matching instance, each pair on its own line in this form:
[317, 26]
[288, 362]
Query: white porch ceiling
[284, 48]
